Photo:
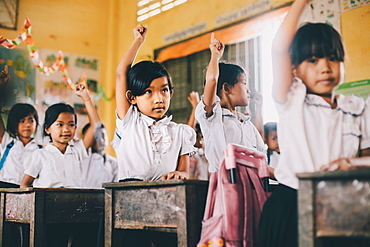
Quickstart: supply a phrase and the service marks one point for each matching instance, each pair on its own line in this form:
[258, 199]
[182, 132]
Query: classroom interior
[179, 38]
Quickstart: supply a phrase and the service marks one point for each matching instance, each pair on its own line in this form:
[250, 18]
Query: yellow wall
[103, 29]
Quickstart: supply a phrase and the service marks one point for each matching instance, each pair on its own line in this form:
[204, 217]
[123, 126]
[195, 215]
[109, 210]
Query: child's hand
[140, 32]
[216, 47]
[257, 99]
[82, 91]
[342, 164]
[4, 77]
[174, 175]
[193, 99]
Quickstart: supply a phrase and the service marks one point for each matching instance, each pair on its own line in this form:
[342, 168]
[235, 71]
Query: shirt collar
[151, 122]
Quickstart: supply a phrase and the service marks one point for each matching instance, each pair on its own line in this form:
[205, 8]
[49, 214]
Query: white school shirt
[274, 159]
[149, 149]
[51, 168]
[97, 171]
[311, 134]
[13, 168]
[224, 127]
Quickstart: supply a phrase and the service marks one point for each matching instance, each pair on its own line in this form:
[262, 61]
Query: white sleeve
[188, 140]
[34, 164]
[365, 126]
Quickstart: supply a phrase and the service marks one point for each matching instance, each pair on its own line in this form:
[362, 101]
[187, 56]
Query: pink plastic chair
[235, 198]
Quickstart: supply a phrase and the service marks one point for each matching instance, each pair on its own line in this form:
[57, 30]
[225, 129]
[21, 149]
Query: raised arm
[94, 120]
[123, 67]
[210, 89]
[194, 100]
[281, 62]
[4, 79]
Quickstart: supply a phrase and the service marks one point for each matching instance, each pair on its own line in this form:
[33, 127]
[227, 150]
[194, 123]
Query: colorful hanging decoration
[58, 65]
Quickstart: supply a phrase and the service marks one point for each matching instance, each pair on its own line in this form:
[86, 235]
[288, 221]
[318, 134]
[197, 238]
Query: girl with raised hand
[226, 88]
[152, 146]
[59, 164]
[17, 139]
[315, 126]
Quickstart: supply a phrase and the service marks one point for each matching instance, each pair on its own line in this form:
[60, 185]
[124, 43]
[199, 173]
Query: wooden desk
[334, 205]
[172, 206]
[39, 207]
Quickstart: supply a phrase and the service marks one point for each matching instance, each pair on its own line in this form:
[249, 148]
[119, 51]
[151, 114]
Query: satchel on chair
[236, 194]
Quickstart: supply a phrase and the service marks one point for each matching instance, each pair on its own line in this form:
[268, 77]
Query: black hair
[52, 113]
[228, 73]
[268, 128]
[143, 73]
[18, 112]
[316, 40]
[197, 128]
[87, 126]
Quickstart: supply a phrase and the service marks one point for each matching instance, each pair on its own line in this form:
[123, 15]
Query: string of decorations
[58, 65]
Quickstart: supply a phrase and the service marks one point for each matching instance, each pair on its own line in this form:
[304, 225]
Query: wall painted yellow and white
[103, 29]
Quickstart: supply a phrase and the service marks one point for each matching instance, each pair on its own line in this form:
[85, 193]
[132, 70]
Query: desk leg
[306, 214]
[2, 220]
[182, 224]
[108, 221]
[37, 224]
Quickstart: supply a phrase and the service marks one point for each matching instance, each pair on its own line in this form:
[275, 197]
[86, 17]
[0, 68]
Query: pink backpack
[235, 198]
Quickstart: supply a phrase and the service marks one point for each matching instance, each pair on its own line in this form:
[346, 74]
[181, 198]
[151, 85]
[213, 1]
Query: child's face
[63, 129]
[155, 101]
[272, 141]
[101, 142]
[320, 75]
[26, 127]
[240, 94]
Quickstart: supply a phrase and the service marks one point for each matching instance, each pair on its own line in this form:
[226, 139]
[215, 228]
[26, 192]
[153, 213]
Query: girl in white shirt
[17, 140]
[59, 164]
[315, 126]
[226, 88]
[151, 146]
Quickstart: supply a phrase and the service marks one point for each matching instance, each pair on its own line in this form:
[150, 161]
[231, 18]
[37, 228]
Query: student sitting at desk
[59, 164]
[152, 147]
[16, 140]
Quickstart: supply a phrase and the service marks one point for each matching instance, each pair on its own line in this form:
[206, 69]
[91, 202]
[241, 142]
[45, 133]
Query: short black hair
[143, 73]
[52, 113]
[228, 72]
[316, 40]
[18, 112]
[268, 128]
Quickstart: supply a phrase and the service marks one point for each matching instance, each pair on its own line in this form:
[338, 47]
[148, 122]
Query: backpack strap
[8, 147]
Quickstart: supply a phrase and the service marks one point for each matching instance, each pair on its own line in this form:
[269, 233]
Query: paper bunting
[58, 65]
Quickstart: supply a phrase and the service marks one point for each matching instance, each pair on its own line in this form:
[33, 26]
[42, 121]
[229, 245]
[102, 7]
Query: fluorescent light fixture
[143, 17]
[178, 2]
[154, 12]
[143, 11]
[155, 6]
[168, 6]
[142, 3]
[164, 2]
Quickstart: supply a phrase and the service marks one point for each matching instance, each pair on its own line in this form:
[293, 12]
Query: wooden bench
[175, 206]
[334, 206]
[38, 207]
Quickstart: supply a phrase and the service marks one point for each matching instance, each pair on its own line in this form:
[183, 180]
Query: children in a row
[316, 126]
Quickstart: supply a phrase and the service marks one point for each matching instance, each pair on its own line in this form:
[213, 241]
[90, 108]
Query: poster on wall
[323, 11]
[21, 87]
[347, 5]
[53, 89]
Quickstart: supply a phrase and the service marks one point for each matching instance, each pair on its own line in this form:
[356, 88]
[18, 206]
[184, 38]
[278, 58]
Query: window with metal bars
[188, 73]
